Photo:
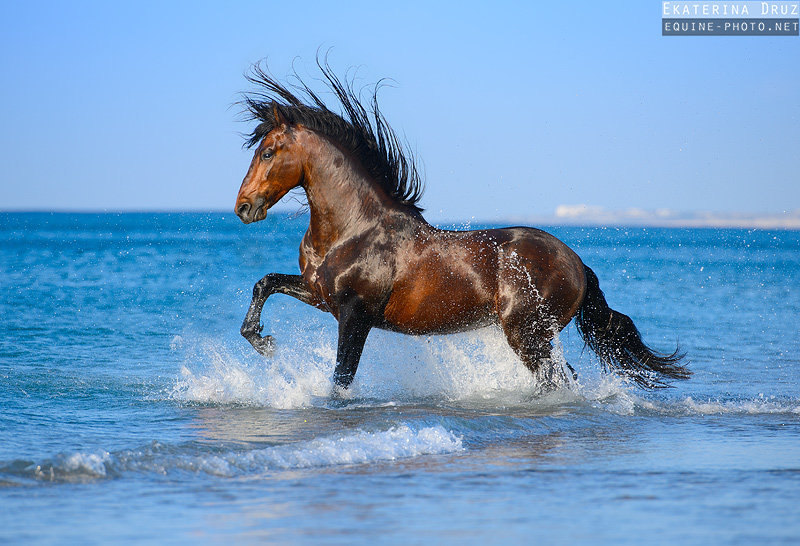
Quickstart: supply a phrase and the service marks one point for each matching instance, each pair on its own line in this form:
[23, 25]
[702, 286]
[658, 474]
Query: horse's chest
[348, 269]
[310, 261]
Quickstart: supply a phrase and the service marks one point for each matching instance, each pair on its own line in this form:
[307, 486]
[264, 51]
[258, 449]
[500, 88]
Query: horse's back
[456, 280]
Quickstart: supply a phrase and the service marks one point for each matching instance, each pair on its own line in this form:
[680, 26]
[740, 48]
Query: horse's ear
[276, 114]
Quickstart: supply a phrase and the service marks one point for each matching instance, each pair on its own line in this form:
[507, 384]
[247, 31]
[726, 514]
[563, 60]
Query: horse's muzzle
[243, 212]
[249, 212]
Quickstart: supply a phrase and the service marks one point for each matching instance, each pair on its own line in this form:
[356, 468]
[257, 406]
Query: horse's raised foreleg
[274, 283]
[354, 326]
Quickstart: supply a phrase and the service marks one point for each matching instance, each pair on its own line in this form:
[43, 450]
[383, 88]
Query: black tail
[617, 342]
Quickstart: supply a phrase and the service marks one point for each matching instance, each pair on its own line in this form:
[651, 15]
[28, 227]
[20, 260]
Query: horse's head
[276, 168]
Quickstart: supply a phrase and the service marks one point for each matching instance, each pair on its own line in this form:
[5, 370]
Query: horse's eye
[266, 155]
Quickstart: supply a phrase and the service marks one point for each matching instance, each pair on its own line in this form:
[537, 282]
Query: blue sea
[131, 411]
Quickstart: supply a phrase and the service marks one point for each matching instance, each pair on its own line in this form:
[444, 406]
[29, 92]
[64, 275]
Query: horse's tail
[618, 343]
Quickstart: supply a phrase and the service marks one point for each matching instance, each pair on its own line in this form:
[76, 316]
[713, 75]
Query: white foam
[90, 463]
[74, 467]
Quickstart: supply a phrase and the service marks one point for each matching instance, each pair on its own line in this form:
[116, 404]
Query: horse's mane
[366, 134]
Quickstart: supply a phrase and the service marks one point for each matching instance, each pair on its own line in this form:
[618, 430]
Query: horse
[370, 259]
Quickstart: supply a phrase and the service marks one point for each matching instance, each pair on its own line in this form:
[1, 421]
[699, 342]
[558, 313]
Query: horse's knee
[264, 286]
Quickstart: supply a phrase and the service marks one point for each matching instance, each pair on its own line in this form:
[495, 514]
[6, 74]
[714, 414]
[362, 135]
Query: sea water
[132, 411]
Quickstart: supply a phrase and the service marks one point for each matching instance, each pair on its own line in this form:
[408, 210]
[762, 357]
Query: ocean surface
[131, 411]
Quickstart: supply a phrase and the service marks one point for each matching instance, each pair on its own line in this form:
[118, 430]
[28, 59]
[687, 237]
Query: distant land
[585, 215]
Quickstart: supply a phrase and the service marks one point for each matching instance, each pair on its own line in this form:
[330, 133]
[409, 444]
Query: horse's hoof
[264, 345]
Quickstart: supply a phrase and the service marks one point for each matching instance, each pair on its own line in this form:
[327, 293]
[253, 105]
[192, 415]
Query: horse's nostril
[243, 209]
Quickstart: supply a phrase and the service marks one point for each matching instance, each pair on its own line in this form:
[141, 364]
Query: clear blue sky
[512, 108]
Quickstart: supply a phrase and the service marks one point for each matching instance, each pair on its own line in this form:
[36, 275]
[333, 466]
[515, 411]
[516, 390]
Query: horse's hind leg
[529, 332]
[274, 283]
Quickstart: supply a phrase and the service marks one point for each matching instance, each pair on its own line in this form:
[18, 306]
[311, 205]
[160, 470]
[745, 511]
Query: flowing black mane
[366, 134]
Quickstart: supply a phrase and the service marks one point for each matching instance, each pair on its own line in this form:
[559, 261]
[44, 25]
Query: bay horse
[372, 261]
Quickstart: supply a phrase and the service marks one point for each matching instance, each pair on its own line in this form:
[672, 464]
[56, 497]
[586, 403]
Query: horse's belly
[436, 308]
[420, 326]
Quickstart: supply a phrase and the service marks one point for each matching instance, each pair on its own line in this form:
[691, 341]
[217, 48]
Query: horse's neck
[344, 202]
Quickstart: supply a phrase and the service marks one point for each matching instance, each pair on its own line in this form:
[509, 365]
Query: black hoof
[263, 345]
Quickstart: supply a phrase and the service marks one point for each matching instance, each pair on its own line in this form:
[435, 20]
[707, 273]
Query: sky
[513, 108]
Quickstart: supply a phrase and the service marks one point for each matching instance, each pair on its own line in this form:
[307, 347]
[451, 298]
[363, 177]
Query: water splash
[474, 369]
[215, 373]
[476, 365]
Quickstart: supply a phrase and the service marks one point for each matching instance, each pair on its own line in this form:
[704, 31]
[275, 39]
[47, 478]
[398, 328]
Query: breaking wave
[354, 448]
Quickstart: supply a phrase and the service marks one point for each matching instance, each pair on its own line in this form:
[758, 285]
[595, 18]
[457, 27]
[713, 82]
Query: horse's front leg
[354, 326]
[274, 283]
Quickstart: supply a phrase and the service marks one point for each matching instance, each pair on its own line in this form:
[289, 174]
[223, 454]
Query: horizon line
[783, 221]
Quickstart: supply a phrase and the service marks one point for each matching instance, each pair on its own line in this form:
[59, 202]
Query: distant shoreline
[577, 216]
[587, 215]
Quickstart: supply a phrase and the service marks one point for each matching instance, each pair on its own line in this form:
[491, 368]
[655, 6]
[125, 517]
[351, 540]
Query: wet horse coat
[370, 258]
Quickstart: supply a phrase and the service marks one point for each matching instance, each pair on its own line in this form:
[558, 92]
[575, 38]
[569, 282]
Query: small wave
[358, 447]
[613, 394]
[616, 398]
[72, 467]
[755, 406]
